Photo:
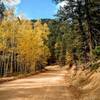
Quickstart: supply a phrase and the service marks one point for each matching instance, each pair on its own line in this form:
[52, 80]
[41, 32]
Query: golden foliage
[27, 42]
[31, 45]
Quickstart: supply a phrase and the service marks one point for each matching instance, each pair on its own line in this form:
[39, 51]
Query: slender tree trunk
[83, 35]
[88, 18]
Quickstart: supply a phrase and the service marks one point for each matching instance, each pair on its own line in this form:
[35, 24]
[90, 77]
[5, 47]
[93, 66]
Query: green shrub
[97, 50]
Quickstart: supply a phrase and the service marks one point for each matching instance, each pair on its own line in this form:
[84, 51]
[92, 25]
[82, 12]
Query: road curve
[49, 85]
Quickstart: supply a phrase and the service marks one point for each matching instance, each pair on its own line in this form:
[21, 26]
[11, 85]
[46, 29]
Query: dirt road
[49, 85]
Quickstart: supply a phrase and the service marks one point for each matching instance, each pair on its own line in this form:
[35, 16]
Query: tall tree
[2, 9]
[82, 11]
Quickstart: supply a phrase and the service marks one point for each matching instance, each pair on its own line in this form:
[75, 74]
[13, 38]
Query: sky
[36, 9]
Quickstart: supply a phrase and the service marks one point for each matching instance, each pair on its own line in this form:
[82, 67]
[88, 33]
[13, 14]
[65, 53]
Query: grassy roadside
[83, 85]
